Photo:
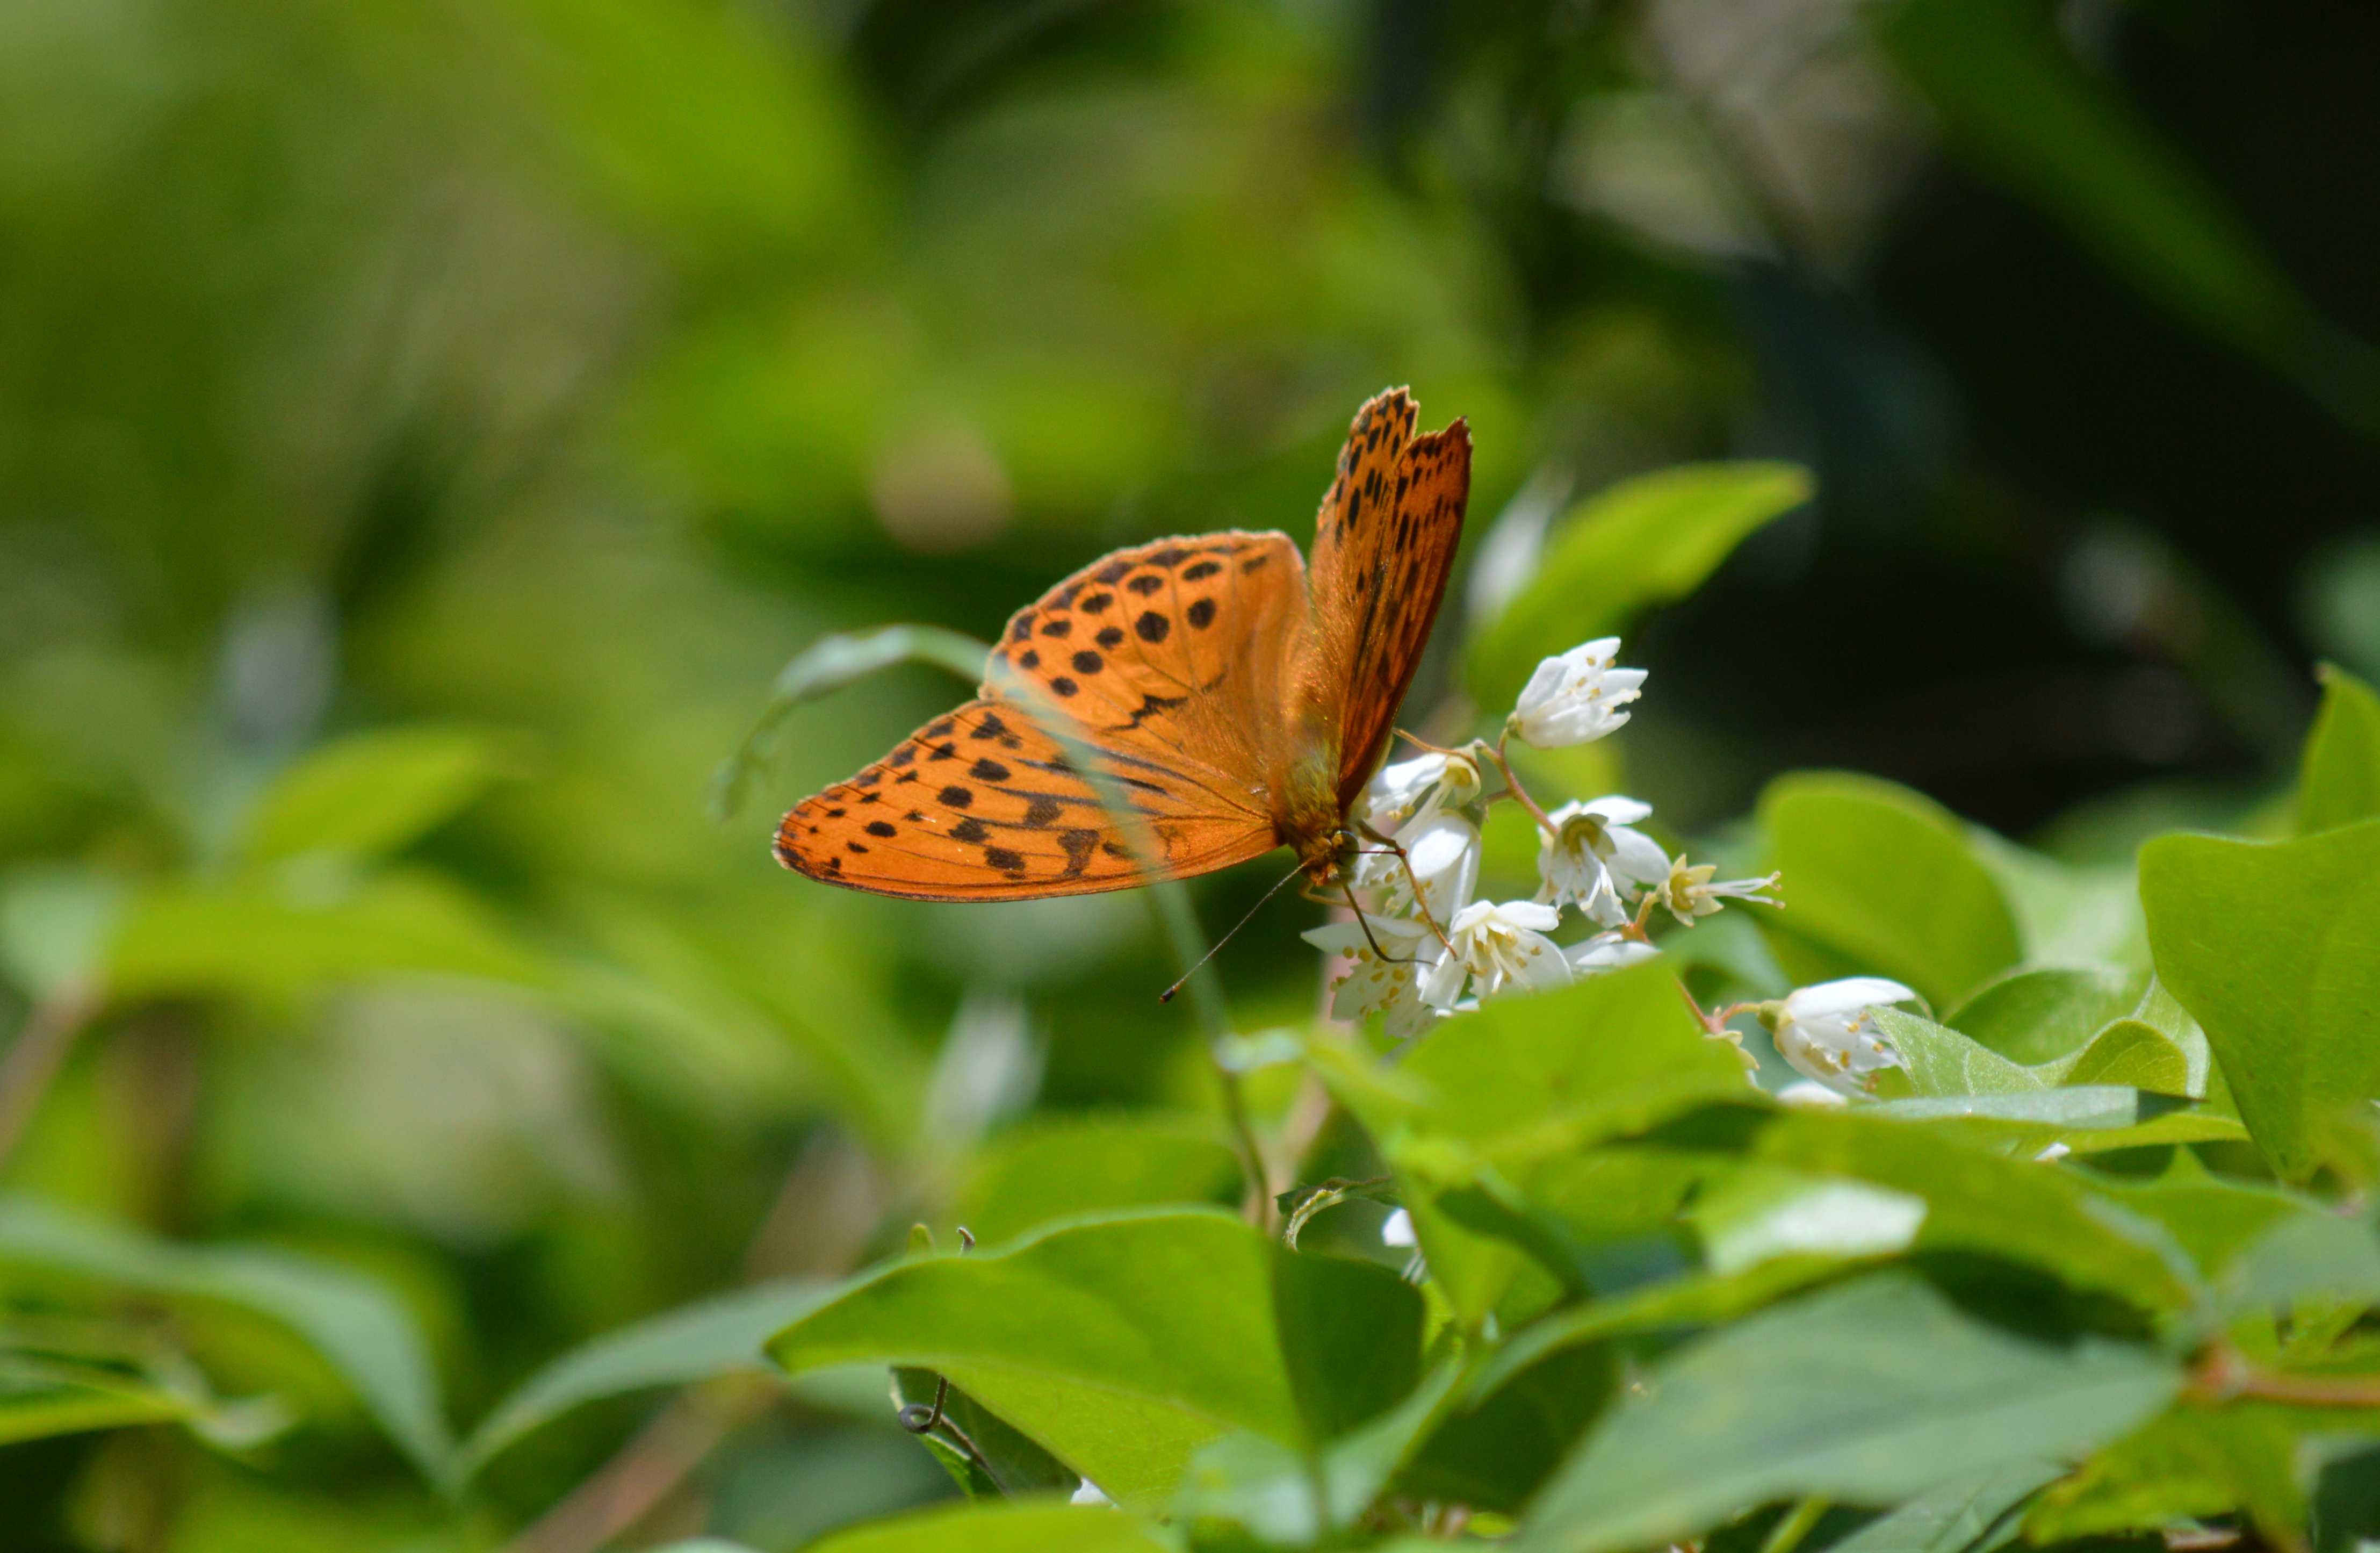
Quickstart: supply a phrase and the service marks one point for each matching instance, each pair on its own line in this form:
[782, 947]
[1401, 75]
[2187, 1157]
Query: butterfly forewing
[1384, 545]
[1165, 660]
[1172, 650]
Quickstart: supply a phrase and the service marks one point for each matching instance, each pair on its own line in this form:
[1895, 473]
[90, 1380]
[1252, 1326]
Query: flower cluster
[1422, 944]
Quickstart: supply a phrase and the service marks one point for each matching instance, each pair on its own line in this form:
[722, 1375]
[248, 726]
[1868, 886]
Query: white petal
[1847, 996]
[1810, 1094]
[1397, 1228]
[1528, 914]
[1613, 808]
[1636, 857]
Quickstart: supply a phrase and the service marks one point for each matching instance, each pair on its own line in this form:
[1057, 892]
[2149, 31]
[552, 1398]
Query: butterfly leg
[1365, 924]
[1389, 843]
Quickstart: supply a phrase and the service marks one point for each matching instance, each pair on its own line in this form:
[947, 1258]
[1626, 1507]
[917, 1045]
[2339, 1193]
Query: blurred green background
[468, 408]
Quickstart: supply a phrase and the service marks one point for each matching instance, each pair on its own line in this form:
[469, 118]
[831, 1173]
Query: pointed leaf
[2275, 947]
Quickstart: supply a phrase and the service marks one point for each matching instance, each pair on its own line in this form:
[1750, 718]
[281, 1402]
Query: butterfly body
[1236, 698]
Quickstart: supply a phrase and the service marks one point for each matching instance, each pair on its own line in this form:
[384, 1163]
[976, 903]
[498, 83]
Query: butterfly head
[1329, 857]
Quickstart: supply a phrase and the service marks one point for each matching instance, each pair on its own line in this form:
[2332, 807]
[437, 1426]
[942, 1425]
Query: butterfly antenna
[1167, 995]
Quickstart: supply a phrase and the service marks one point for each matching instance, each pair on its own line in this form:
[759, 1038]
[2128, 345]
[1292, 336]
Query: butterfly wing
[1383, 549]
[1166, 659]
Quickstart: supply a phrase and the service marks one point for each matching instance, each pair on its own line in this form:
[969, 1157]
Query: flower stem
[1513, 785]
[2224, 1374]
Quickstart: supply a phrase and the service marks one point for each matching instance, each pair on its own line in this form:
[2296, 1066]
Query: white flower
[1689, 892]
[1577, 697]
[1414, 789]
[1808, 1094]
[1828, 1033]
[1397, 1228]
[1608, 952]
[1502, 946]
[1441, 855]
[1597, 858]
[1089, 1492]
[1390, 985]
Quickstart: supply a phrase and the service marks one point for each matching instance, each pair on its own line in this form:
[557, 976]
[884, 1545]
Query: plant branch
[2224, 1374]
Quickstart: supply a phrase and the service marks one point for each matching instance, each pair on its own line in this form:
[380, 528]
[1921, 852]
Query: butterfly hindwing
[1165, 659]
[1383, 549]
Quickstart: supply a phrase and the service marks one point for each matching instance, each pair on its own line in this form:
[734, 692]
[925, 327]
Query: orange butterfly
[1237, 699]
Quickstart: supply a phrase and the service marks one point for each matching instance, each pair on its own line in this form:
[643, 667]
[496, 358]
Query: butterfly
[1238, 697]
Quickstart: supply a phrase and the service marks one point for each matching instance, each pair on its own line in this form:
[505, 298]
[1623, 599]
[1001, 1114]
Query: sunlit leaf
[2338, 781]
[2037, 1016]
[2276, 949]
[1121, 1343]
[1052, 1167]
[1881, 881]
[1641, 544]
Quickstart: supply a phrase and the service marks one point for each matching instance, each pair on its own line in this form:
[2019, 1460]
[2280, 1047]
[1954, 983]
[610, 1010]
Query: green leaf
[271, 940]
[1870, 1393]
[2037, 1016]
[1051, 1169]
[1495, 1448]
[2338, 781]
[2134, 1054]
[42, 1396]
[43, 1402]
[372, 793]
[1521, 1080]
[1351, 1335]
[2012, 98]
[1759, 1214]
[1019, 1526]
[2183, 1465]
[2066, 915]
[2213, 1218]
[1121, 1343]
[1880, 880]
[350, 1321]
[1941, 1063]
[1981, 1201]
[1640, 543]
[2275, 947]
[2306, 1256]
[715, 1337]
[1953, 1517]
[1283, 1498]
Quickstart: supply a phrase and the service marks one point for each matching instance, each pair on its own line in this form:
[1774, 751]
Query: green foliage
[1874, 1392]
[1185, 1324]
[1883, 881]
[425, 429]
[351, 1323]
[2339, 778]
[2275, 947]
[716, 1337]
[1642, 542]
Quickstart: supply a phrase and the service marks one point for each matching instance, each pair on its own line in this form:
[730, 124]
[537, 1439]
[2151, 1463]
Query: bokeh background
[499, 393]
